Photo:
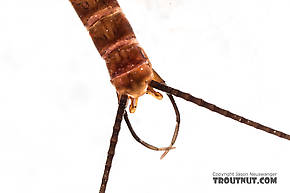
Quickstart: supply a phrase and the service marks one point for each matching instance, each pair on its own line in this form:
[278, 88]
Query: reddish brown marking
[98, 15]
[134, 81]
[117, 45]
[124, 59]
[109, 30]
[121, 75]
[86, 8]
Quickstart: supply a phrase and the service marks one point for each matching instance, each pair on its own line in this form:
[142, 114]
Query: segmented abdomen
[112, 34]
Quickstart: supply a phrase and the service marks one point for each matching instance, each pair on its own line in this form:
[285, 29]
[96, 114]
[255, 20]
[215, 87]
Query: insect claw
[133, 105]
[154, 93]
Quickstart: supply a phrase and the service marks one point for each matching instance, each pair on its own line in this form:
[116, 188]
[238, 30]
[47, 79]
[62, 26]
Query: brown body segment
[128, 66]
[87, 8]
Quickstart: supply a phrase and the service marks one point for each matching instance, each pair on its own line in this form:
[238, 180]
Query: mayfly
[132, 74]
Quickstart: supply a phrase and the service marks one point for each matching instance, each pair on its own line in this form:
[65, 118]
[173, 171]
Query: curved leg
[177, 114]
[137, 138]
[158, 79]
[140, 140]
[176, 130]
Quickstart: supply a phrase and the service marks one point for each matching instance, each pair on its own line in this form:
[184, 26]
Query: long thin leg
[216, 109]
[176, 126]
[137, 138]
[152, 147]
[158, 78]
[166, 149]
[113, 142]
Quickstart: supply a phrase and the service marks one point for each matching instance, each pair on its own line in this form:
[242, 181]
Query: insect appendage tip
[154, 93]
[133, 105]
[166, 152]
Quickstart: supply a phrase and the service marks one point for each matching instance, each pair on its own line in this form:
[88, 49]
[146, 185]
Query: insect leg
[176, 130]
[216, 109]
[158, 78]
[154, 93]
[140, 140]
[113, 142]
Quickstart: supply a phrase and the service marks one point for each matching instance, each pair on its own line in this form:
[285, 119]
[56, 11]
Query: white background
[57, 106]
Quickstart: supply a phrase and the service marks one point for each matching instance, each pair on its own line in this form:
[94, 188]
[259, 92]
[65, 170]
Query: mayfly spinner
[132, 74]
